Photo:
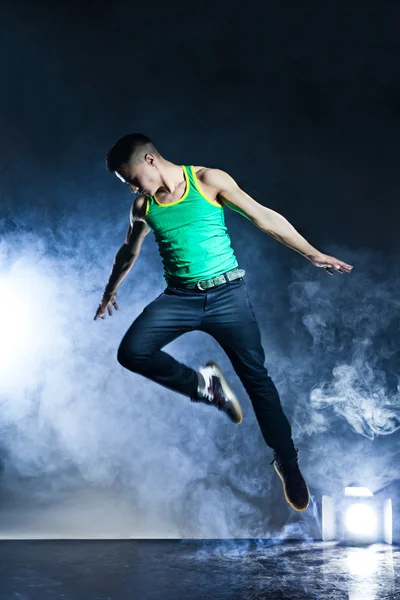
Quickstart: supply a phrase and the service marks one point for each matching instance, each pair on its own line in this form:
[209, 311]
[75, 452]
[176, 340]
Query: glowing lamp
[357, 517]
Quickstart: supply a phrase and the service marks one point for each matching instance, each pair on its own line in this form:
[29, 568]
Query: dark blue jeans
[227, 314]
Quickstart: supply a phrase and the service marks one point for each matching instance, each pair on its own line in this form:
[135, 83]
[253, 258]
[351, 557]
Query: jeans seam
[249, 303]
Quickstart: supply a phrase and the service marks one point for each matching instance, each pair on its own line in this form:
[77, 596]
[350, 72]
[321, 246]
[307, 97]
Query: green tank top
[192, 238]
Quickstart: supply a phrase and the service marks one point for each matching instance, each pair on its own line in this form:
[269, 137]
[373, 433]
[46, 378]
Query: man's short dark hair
[133, 144]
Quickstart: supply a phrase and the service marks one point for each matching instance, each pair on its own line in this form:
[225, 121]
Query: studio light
[357, 517]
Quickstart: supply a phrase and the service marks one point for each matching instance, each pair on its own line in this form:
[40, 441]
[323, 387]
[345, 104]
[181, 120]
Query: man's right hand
[107, 301]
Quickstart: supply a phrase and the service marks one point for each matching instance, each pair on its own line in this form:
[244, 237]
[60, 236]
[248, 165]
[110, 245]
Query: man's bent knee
[131, 360]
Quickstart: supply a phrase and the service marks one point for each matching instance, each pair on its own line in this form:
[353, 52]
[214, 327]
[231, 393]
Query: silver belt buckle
[199, 286]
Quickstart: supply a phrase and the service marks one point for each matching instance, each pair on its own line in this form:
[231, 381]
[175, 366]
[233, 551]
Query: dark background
[300, 102]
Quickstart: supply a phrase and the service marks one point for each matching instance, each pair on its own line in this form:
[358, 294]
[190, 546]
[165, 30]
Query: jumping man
[206, 291]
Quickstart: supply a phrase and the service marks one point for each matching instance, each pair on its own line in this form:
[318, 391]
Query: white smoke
[352, 327]
[73, 421]
[71, 418]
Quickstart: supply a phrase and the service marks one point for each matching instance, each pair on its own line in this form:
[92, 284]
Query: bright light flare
[361, 520]
[30, 326]
[17, 319]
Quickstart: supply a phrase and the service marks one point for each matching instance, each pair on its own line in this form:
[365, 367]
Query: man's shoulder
[210, 176]
[209, 179]
[138, 209]
[207, 174]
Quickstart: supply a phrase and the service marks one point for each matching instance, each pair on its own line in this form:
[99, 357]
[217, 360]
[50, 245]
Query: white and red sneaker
[217, 392]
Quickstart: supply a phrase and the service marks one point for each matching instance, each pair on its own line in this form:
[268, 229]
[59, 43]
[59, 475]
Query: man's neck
[171, 176]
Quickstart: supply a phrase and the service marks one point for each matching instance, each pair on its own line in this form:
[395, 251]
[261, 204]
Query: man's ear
[150, 159]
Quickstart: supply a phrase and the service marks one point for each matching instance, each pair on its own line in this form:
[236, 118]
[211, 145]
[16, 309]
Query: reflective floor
[195, 569]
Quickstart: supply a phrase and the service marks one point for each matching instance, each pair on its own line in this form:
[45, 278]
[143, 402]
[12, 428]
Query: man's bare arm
[269, 221]
[126, 256]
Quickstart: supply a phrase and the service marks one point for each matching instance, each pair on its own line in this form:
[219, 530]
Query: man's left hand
[330, 264]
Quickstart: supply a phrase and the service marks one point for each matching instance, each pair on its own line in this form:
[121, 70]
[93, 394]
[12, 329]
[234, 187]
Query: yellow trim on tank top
[200, 192]
[180, 199]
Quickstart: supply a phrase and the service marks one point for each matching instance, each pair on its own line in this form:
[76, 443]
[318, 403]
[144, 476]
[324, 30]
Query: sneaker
[295, 488]
[217, 392]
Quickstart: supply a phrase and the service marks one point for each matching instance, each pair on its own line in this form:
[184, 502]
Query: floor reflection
[197, 570]
[371, 569]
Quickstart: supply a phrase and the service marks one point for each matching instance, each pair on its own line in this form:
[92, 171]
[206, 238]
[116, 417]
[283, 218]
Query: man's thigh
[163, 320]
[231, 319]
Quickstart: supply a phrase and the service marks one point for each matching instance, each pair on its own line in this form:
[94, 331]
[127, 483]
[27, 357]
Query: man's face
[141, 177]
